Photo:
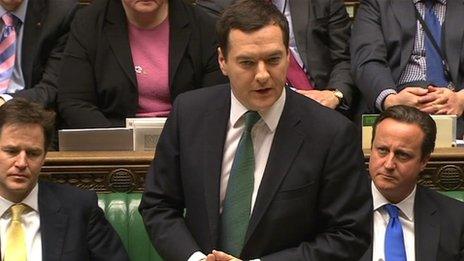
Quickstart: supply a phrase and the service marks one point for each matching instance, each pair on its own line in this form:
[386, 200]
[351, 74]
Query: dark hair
[20, 111]
[249, 16]
[407, 114]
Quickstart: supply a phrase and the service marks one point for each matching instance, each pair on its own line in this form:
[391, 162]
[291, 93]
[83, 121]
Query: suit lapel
[215, 130]
[35, 15]
[453, 36]
[179, 36]
[285, 146]
[427, 232]
[118, 38]
[299, 10]
[403, 10]
[53, 224]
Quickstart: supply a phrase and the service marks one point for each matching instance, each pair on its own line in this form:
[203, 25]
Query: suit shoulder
[70, 195]
[444, 202]
[92, 11]
[203, 97]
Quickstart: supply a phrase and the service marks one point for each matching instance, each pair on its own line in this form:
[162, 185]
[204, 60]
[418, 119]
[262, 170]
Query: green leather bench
[121, 210]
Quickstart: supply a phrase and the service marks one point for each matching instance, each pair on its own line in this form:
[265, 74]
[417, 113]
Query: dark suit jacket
[383, 39]
[438, 225]
[313, 202]
[45, 33]
[73, 227]
[322, 31]
[98, 85]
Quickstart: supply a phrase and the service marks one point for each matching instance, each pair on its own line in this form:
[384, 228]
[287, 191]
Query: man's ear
[424, 161]
[222, 61]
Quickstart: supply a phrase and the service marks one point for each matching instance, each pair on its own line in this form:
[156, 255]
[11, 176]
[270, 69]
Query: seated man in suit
[34, 34]
[253, 169]
[411, 222]
[41, 220]
[319, 44]
[410, 53]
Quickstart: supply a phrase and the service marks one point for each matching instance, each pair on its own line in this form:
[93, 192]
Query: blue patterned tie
[237, 203]
[435, 71]
[394, 241]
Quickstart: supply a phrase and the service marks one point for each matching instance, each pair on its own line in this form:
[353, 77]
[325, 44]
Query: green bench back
[121, 210]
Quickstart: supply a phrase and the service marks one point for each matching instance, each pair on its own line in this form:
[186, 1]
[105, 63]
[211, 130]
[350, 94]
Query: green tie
[237, 203]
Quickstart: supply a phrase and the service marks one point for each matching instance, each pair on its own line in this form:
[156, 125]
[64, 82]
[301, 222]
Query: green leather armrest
[121, 211]
[456, 194]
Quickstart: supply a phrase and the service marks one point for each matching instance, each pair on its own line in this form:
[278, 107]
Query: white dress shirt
[381, 218]
[31, 222]
[262, 136]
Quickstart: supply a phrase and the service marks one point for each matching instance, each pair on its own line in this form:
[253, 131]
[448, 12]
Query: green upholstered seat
[121, 211]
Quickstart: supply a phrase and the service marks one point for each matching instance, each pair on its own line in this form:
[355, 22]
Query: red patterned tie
[296, 76]
[7, 51]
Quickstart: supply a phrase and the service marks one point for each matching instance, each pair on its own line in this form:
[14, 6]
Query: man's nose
[262, 73]
[390, 161]
[21, 160]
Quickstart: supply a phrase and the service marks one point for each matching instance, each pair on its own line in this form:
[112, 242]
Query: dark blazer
[98, 85]
[438, 226]
[313, 202]
[44, 37]
[73, 227]
[383, 39]
[322, 31]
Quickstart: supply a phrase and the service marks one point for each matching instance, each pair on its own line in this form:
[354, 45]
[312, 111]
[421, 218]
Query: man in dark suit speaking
[410, 222]
[319, 44]
[41, 220]
[252, 169]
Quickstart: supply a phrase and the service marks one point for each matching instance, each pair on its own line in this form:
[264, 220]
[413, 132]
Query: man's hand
[443, 101]
[2, 101]
[326, 97]
[410, 96]
[221, 256]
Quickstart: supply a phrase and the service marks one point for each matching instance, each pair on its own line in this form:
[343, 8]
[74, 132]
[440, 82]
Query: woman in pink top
[128, 58]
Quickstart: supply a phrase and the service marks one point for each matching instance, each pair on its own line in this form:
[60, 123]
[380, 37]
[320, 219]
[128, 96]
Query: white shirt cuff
[6, 97]
[197, 256]
[381, 98]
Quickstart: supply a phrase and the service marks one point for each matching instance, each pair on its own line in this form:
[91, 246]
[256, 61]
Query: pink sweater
[150, 54]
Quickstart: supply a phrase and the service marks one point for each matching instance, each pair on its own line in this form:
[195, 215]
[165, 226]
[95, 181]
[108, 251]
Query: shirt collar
[270, 116]
[31, 201]
[443, 2]
[406, 205]
[20, 12]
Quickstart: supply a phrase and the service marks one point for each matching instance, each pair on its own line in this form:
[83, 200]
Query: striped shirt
[416, 67]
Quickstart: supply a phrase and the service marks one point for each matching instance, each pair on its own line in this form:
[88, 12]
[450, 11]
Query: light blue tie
[435, 69]
[394, 241]
[237, 203]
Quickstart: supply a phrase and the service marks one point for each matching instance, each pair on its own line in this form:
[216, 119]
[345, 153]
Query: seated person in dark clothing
[131, 59]
[34, 34]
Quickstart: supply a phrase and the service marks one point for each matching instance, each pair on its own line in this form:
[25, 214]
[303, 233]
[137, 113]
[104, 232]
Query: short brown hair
[249, 16]
[20, 111]
[411, 115]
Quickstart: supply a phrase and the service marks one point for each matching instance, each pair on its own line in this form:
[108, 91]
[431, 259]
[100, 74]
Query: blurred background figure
[34, 34]
[132, 58]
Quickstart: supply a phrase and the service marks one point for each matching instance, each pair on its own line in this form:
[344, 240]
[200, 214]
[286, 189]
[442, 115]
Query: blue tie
[394, 241]
[435, 71]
